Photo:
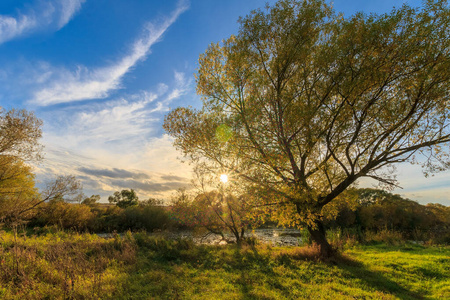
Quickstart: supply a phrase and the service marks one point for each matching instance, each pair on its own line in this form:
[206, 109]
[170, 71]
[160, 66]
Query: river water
[273, 236]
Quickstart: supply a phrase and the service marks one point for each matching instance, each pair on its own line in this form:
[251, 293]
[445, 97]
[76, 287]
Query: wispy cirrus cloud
[84, 83]
[50, 15]
[116, 144]
[119, 124]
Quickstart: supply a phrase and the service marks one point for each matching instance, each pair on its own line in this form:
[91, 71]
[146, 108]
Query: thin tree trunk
[318, 236]
[237, 237]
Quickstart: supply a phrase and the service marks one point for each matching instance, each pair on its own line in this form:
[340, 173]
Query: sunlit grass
[138, 266]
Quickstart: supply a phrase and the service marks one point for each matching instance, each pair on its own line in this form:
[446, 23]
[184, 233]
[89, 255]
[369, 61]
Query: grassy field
[136, 266]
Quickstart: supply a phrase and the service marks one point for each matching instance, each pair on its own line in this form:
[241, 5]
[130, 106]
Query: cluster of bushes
[377, 214]
[97, 217]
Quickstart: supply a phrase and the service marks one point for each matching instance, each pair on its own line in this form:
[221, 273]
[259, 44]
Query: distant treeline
[377, 210]
[361, 211]
[102, 218]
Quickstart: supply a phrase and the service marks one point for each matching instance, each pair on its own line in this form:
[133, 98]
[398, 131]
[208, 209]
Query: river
[273, 236]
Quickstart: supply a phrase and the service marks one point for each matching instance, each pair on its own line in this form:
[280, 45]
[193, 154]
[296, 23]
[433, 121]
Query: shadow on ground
[375, 280]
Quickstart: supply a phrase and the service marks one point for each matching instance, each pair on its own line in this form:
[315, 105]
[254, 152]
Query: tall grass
[65, 265]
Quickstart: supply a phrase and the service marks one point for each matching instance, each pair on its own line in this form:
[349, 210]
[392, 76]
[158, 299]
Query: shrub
[386, 236]
[145, 217]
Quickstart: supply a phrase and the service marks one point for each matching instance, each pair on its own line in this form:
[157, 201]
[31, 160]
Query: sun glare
[224, 178]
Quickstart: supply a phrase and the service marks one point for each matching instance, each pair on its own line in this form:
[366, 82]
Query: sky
[102, 74]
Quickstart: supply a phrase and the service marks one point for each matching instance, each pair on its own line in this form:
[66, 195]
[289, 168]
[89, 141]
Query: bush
[63, 215]
[388, 237]
[146, 217]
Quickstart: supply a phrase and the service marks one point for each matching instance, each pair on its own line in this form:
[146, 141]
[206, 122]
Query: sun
[224, 178]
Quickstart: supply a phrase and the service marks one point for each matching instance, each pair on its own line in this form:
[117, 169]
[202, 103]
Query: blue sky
[102, 74]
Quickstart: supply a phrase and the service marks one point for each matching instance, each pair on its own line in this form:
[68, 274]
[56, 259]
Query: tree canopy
[20, 132]
[303, 102]
[17, 190]
[124, 198]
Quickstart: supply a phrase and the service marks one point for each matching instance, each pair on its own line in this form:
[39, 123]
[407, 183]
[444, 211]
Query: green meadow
[139, 266]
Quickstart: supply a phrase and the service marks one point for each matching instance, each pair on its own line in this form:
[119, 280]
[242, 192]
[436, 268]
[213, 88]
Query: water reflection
[273, 236]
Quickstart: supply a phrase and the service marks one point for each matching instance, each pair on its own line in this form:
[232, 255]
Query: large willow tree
[303, 102]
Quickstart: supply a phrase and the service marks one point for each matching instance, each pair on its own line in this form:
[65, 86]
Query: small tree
[17, 191]
[20, 132]
[304, 102]
[24, 202]
[91, 201]
[215, 206]
[214, 211]
[124, 199]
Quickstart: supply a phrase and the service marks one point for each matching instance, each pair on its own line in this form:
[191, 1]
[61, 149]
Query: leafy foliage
[20, 132]
[218, 212]
[124, 198]
[91, 201]
[61, 214]
[376, 212]
[316, 101]
[17, 190]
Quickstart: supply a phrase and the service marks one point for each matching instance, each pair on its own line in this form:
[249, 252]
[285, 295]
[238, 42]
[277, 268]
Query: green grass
[142, 267]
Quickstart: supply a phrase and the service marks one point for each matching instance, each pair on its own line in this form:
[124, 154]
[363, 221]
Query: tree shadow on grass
[242, 265]
[375, 280]
[350, 267]
[253, 269]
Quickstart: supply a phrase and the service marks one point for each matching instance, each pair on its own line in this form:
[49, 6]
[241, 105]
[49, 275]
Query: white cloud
[48, 15]
[120, 134]
[85, 83]
[415, 186]
[181, 86]
[155, 170]
[429, 195]
[423, 189]
[161, 157]
[126, 120]
[103, 126]
[68, 10]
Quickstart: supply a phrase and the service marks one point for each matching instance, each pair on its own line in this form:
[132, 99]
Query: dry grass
[70, 265]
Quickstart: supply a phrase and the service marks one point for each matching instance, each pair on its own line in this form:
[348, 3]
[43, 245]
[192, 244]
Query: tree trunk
[318, 236]
[242, 233]
[236, 236]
